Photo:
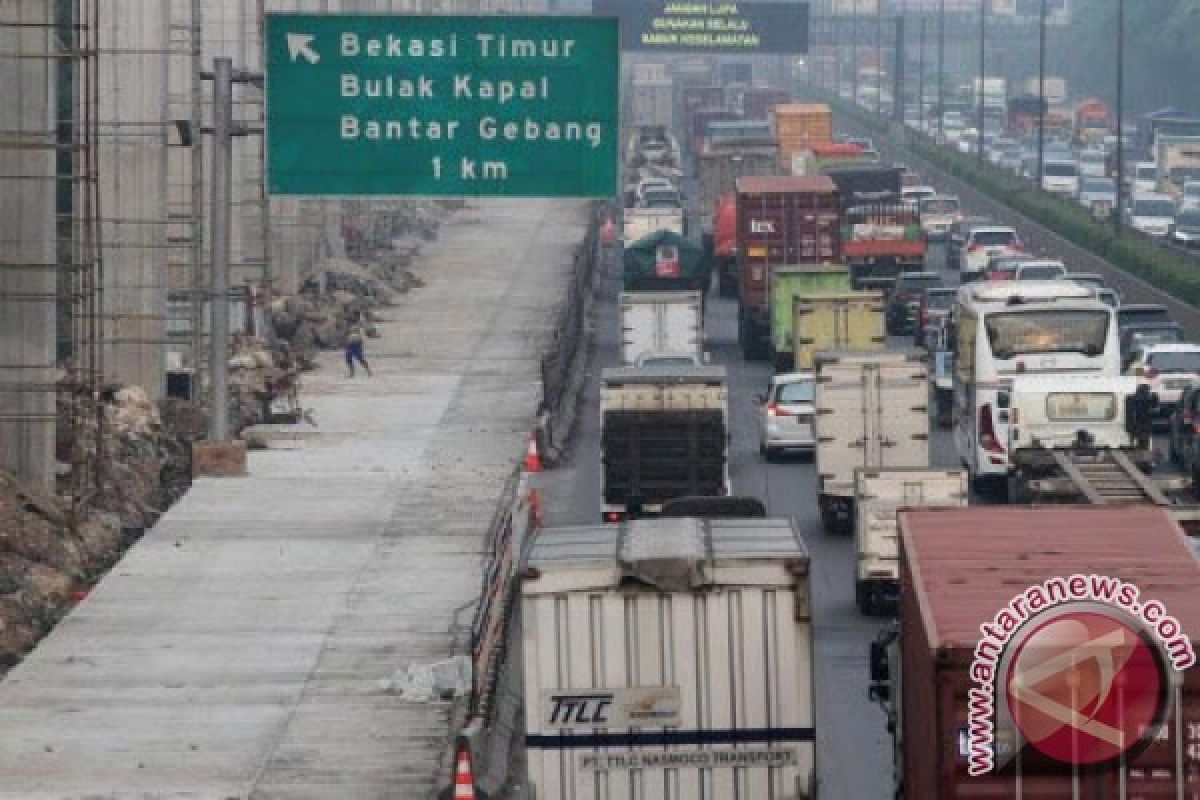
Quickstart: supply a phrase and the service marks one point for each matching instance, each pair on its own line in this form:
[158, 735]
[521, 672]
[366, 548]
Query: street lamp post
[854, 52]
[1116, 217]
[941, 67]
[979, 95]
[921, 76]
[1041, 155]
[879, 57]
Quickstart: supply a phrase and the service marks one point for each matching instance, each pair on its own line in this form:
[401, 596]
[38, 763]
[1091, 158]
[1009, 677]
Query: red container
[960, 567]
[781, 221]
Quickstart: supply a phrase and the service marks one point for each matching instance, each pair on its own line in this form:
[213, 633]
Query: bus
[1010, 328]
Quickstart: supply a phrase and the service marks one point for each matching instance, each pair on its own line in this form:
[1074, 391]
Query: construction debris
[46, 557]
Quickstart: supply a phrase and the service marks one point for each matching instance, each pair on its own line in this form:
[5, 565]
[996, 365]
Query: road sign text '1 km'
[442, 105]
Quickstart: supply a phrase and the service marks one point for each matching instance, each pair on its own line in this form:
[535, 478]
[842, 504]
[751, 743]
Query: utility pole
[979, 95]
[853, 53]
[898, 78]
[222, 204]
[921, 76]
[941, 70]
[879, 57]
[224, 129]
[1116, 216]
[1041, 155]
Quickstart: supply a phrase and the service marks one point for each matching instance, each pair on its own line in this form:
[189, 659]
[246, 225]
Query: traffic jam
[847, 424]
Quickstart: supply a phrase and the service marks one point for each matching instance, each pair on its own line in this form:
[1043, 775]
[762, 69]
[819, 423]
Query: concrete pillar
[133, 181]
[27, 243]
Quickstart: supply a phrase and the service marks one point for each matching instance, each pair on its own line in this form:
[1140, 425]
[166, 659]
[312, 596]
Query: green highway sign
[522, 106]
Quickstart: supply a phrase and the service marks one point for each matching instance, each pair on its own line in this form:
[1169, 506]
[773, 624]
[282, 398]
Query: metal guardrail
[559, 364]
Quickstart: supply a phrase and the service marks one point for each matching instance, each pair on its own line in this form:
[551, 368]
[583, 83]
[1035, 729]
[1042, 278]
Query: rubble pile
[46, 558]
[144, 466]
[382, 241]
[263, 381]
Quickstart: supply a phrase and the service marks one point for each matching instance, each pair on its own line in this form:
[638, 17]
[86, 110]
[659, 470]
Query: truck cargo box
[638, 223]
[664, 434]
[959, 568]
[759, 102]
[661, 322]
[788, 283]
[840, 321]
[718, 167]
[872, 412]
[653, 102]
[781, 221]
[669, 658]
[879, 494]
[802, 122]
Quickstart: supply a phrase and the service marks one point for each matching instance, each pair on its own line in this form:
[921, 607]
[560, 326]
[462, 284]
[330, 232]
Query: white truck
[878, 495]
[669, 658]
[638, 223]
[872, 411]
[661, 323]
[664, 434]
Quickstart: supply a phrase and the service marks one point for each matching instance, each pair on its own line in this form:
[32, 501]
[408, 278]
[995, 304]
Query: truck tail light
[975, 248]
[613, 516]
[774, 410]
[1151, 373]
[987, 430]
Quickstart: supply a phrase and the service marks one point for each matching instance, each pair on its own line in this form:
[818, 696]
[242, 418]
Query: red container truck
[959, 568]
[781, 221]
[725, 244]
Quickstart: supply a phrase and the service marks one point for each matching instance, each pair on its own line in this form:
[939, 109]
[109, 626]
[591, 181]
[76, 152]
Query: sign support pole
[222, 202]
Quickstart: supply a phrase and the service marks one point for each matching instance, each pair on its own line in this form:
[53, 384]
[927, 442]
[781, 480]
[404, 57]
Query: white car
[938, 215]
[1093, 164]
[1190, 199]
[985, 242]
[788, 411]
[1061, 177]
[1145, 177]
[1041, 270]
[1152, 214]
[913, 195]
[1168, 369]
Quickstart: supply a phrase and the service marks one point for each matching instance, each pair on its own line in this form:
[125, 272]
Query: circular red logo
[1085, 688]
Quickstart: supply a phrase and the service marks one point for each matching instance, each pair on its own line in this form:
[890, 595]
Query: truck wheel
[862, 599]
[1018, 491]
[784, 362]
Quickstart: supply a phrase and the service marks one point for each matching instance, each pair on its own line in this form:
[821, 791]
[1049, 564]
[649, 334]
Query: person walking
[356, 339]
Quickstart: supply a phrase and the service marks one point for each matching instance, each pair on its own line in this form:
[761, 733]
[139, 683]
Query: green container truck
[665, 261]
[790, 282]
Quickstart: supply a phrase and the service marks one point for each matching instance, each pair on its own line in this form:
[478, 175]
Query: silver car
[787, 414]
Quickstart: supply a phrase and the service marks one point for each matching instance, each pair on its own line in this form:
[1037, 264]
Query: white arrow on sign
[300, 45]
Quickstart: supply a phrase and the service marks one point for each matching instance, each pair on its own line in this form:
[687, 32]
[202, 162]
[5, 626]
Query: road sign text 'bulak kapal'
[517, 106]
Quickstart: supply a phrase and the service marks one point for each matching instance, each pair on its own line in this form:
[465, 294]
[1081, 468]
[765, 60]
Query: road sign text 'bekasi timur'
[441, 105]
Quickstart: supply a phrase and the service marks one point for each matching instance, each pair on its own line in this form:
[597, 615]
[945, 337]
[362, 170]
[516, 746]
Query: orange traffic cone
[533, 461]
[464, 781]
[608, 231]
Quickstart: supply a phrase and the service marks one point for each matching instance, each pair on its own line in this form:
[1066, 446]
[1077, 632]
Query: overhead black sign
[678, 26]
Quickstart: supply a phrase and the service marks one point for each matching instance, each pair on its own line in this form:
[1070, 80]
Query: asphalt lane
[854, 750]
